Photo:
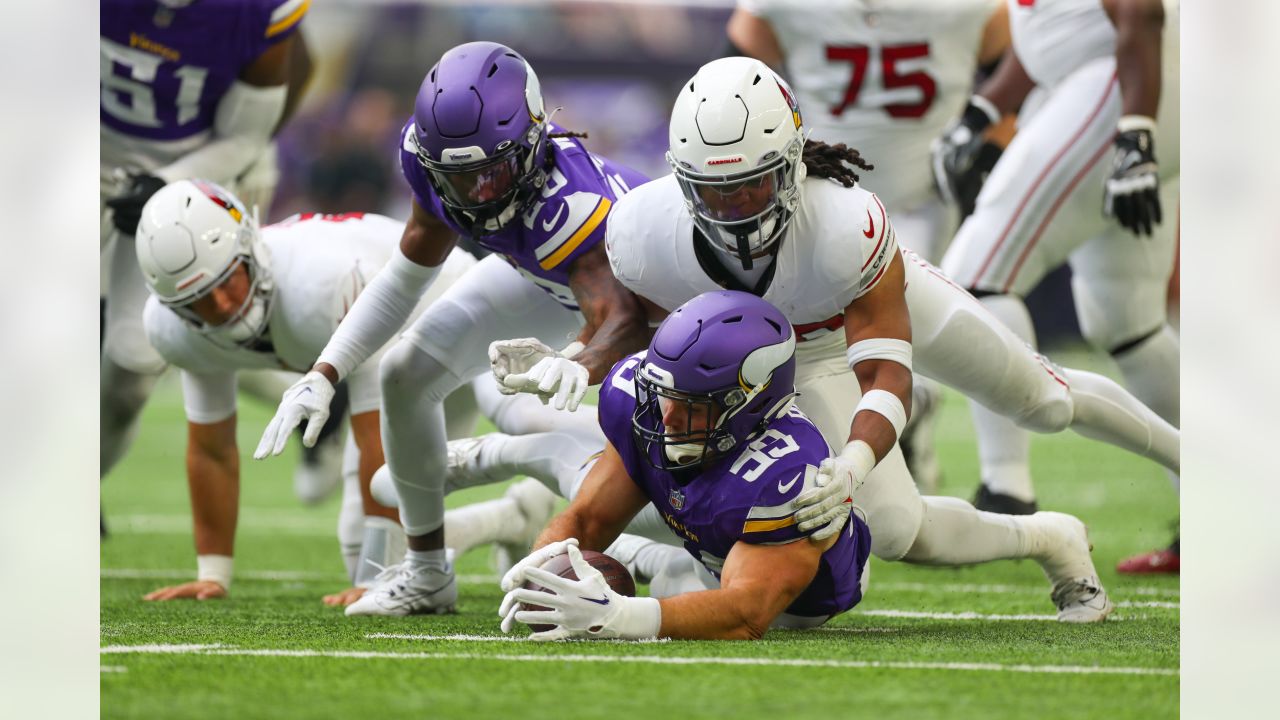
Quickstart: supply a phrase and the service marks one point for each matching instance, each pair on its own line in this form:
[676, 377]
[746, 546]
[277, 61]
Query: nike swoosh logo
[784, 487]
[547, 225]
[602, 601]
[870, 232]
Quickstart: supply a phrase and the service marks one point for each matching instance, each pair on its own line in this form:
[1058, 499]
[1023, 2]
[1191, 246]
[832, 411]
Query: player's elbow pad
[380, 311]
[245, 120]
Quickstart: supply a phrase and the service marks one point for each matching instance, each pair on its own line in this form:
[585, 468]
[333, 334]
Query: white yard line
[112, 669]
[639, 659]
[1004, 589]
[490, 638]
[1149, 604]
[923, 615]
[271, 575]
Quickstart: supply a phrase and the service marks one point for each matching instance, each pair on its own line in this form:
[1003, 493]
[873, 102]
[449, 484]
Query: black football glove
[959, 157]
[127, 207]
[1133, 191]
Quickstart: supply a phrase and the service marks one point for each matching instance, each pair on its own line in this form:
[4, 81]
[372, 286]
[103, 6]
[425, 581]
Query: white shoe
[319, 471]
[401, 591]
[462, 468]
[536, 504]
[1082, 600]
[919, 448]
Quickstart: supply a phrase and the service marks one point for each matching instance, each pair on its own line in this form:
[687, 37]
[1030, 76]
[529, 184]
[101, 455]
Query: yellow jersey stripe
[289, 20]
[579, 237]
[767, 525]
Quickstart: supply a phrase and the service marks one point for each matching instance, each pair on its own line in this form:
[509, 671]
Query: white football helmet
[192, 236]
[735, 146]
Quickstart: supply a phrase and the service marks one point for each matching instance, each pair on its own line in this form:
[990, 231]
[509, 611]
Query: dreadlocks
[550, 159]
[833, 161]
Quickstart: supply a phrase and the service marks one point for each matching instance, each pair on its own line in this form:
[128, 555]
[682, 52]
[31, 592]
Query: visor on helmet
[477, 186]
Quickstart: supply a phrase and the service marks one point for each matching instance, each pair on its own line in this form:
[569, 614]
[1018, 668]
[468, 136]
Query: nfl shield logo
[676, 498]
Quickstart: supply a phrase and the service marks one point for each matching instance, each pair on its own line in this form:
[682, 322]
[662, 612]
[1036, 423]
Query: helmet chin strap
[744, 253]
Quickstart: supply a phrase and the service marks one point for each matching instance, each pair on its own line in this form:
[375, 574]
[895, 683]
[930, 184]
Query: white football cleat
[1082, 600]
[400, 591]
[536, 504]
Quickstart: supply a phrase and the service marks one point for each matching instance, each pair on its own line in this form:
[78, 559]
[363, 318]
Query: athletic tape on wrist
[640, 619]
[860, 454]
[898, 351]
[572, 349]
[888, 405]
[214, 568]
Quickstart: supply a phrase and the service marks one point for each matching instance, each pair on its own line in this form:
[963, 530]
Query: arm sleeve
[246, 118]
[208, 398]
[380, 311]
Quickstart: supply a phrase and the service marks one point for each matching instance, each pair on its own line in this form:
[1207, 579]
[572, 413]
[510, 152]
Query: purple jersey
[566, 221]
[164, 71]
[747, 496]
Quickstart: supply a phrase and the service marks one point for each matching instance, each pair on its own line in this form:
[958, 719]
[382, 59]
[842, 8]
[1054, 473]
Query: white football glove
[515, 576]
[308, 398]
[517, 356]
[830, 501]
[552, 376]
[583, 608]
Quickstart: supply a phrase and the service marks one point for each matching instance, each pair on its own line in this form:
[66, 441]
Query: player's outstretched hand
[553, 378]
[1133, 189]
[517, 356]
[195, 590]
[827, 504]
[343, 598]
[515, 576]
[308, 398]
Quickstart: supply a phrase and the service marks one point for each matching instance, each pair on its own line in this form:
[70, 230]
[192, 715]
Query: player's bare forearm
[615, 321]
[426, 240]
[757, 584]
[880, 314]
[300, 71]
[1009, 85]
[213, 478]
[1139, 25]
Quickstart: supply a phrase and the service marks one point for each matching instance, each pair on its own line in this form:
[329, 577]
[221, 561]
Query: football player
[483, 161]
[1082, 183]
[227, 297]
[885, 78]
[751, 206]
[189, 89]
[703, 426]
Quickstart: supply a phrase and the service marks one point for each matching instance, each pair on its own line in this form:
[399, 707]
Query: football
[615, 573]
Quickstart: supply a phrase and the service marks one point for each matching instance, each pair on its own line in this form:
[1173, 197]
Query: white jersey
[1055, 37]
[837, 247]
[320, 264]
[882, 77]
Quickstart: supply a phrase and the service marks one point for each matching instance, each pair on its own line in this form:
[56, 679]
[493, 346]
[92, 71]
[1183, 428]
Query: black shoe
[1003, 504]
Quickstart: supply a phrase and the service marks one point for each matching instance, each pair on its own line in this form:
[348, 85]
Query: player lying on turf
[701, 425]
[228, 296]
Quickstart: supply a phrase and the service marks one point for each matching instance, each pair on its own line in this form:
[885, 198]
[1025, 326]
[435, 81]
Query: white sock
[1105, 411]
[1004, 449]
[436, 560]
[483, 523]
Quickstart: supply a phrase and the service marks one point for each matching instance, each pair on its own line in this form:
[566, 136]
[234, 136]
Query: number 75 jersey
[882, 76]
[163, 70]
[747, 496]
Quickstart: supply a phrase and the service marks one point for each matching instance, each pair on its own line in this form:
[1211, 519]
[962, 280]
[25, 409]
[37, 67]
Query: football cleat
[1081, 600]
[400, 590]
[1156, 562]
[995, 502]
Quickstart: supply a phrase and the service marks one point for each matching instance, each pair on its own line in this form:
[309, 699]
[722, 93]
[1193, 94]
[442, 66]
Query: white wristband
[640, 619]
[898, 351]
[860, 454]
[572, 349]
[214, 568]
[1136, 122]
[888, 405]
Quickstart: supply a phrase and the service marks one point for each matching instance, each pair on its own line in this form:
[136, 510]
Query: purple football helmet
[729, 358]
[481, 134]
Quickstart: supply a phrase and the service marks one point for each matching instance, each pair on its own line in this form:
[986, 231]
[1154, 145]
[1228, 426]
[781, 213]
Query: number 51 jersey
[747, 496]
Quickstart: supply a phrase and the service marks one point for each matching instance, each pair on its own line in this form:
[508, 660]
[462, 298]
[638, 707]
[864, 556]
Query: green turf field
[924, 642]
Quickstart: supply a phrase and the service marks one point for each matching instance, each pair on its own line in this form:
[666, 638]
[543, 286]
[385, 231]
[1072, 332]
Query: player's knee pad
[892, 507]
[1114, 312]
[409, 374]
[1050, 413]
